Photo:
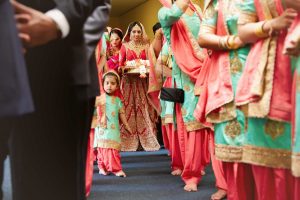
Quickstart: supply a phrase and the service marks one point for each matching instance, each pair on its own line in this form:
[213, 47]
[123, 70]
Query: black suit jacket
[63, 59]
[15, 96]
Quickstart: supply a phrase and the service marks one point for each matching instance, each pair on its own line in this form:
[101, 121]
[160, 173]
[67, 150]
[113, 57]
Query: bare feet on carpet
[219, 195]
[176, 172]
[102, 172]
[191, 187]
[120, 174]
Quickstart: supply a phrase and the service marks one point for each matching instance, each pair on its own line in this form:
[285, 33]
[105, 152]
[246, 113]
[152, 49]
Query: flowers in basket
[138, 66]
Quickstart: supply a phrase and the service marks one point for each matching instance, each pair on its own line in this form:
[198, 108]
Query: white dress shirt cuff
[61, 21]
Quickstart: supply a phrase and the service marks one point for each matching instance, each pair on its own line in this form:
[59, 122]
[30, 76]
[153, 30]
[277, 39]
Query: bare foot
[120, 174]
[220, 194]
[103, 172]
[202, 173]
[191, 187]
[176, 172]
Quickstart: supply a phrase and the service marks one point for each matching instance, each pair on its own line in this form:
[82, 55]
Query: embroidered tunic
[229, 133]
[108, 135]
[167, 17]
[268, 141]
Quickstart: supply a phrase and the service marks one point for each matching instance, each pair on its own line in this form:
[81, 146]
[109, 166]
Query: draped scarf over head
[145, 39]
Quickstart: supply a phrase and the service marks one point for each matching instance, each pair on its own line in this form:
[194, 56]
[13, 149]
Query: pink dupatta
[264, 89]
[187, 53]
[216, 80]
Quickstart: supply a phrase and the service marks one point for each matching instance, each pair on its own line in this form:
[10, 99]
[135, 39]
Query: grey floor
[7, 182]
[148, 179]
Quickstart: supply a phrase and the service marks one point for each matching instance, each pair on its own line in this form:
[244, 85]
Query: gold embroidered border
[228, 153]
[296, 164]
[247, 17]
[169, 119]
[109, 144]
[228, 112]
[198, 52]
[162, 121]
[276, 158]
[263, 83]
[193, 126]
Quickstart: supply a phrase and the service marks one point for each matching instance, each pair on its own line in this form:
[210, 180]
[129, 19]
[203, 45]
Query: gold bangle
[259, 31]
[223, 42]
[231, 43]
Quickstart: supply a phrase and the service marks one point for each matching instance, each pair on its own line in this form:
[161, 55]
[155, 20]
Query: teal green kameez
[229, 133]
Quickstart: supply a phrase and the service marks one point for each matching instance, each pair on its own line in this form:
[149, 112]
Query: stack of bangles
[227, 42]
[260, 32]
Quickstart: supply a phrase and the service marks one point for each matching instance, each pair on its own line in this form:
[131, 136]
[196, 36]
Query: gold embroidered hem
[169, 119]
[193, 126]
[228, 153]
[296, 164]
[227, 112]
[109, 144]
[275, 158]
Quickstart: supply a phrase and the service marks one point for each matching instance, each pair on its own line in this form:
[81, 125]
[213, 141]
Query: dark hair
[156, 27]
[110, 74]
[173, 1]
[131, 25]
[116, 31]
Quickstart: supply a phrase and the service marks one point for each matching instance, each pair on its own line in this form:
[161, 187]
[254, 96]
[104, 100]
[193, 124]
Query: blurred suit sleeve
[15, 95]
[77, 11]
[93, 30]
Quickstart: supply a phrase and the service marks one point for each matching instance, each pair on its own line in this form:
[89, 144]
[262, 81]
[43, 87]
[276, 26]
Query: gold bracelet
[223, 42]
[231, 43]
[259, 31]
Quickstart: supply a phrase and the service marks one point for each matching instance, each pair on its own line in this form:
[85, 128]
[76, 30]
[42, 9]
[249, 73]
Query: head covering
[126, 37]
[111, 72]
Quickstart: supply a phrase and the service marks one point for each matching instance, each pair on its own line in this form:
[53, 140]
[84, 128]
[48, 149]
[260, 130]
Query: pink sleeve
[122, 56]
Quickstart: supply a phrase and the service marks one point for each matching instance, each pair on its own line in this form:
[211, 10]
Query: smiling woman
[139, 112]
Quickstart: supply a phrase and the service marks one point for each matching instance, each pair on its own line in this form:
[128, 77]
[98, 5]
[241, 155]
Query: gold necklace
[137, 48]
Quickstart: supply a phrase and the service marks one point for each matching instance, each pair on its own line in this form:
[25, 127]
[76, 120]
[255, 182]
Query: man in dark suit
[15, 97]
[48, 146]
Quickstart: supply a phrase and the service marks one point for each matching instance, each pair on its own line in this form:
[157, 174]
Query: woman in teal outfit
[264, 93]
[192, 135]
[292, 48]
[219, 33]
